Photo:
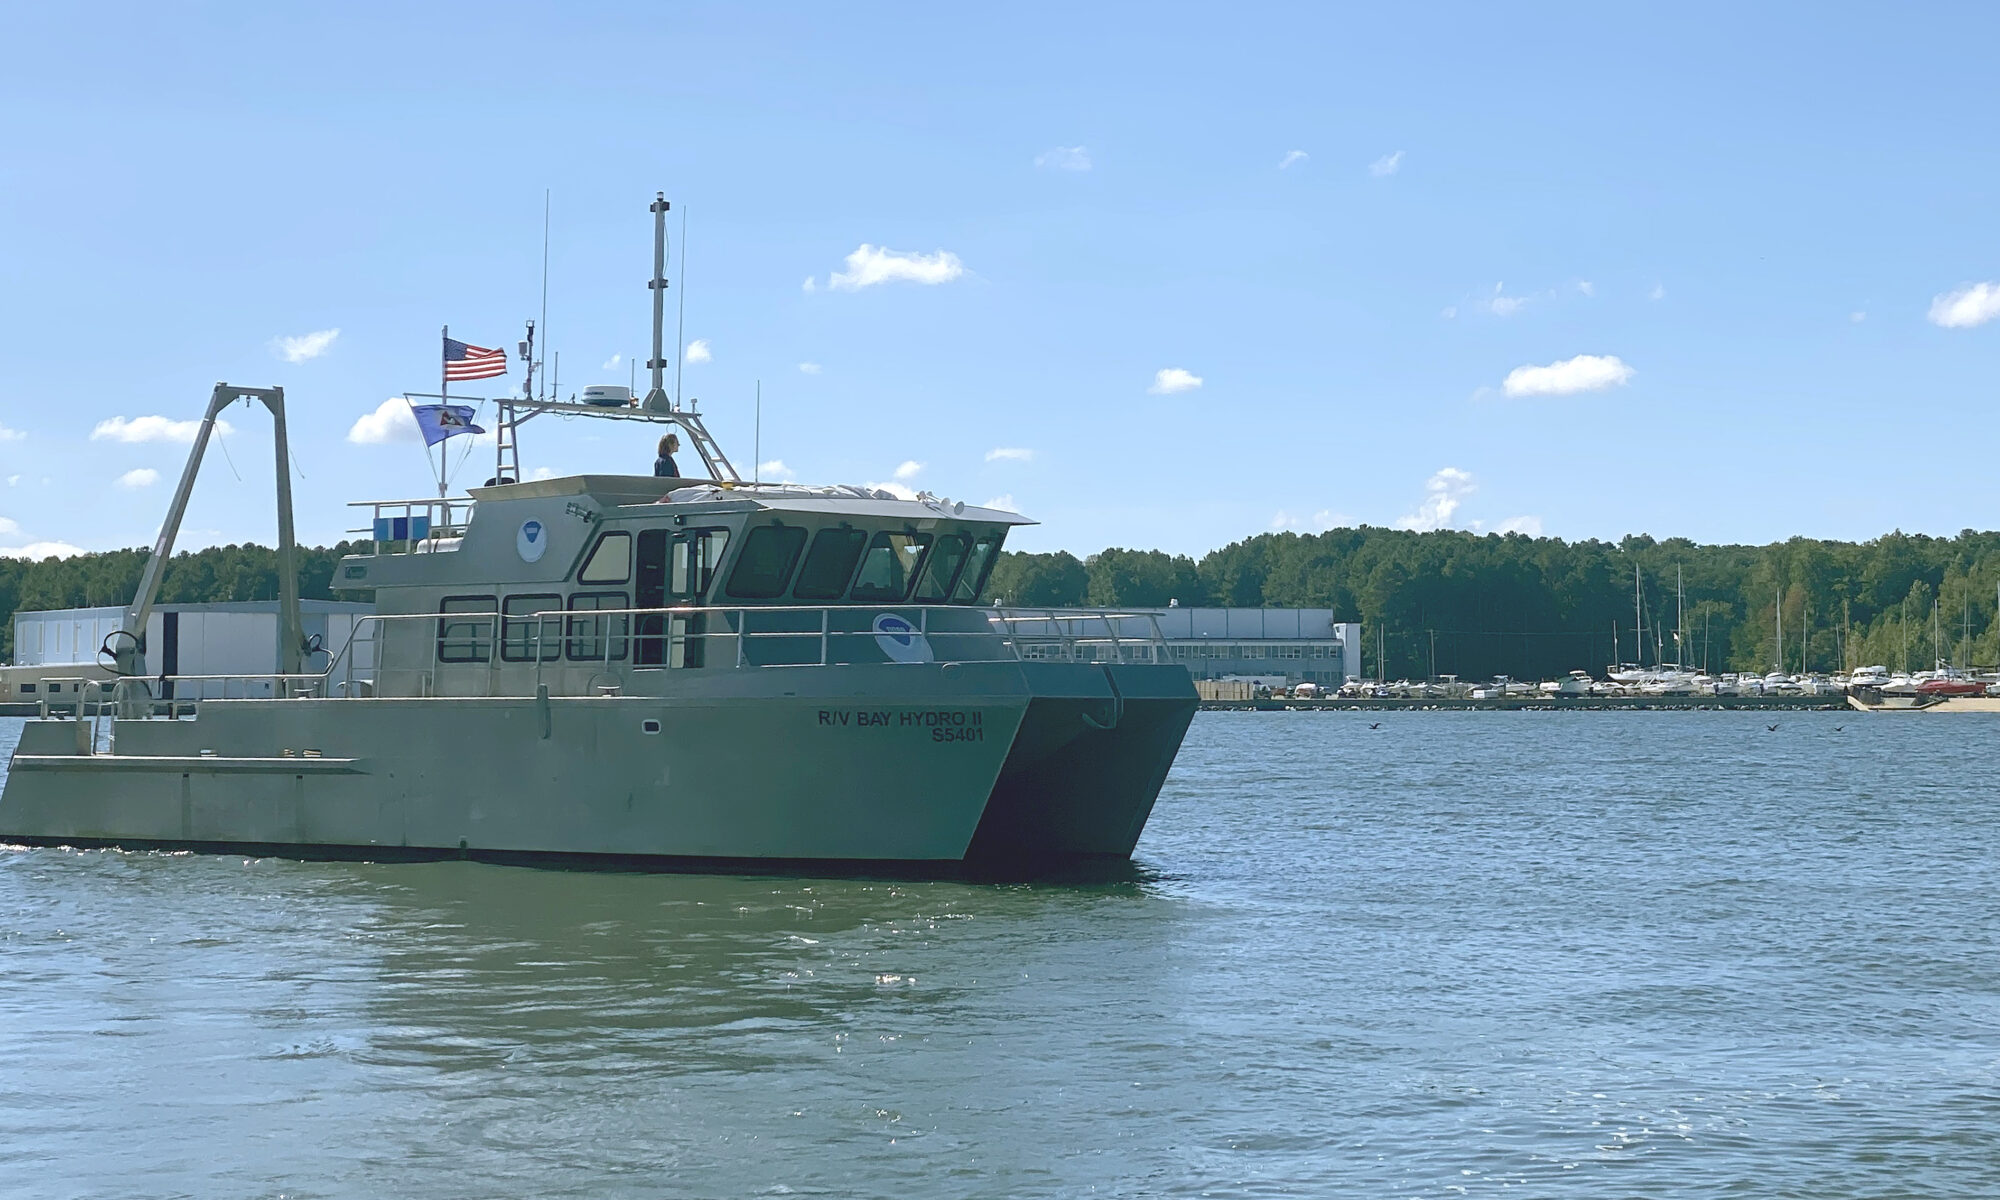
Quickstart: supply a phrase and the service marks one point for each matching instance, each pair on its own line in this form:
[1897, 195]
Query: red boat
[1947, 686]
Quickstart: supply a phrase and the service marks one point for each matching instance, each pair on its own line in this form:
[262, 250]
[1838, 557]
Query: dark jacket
[664, 465]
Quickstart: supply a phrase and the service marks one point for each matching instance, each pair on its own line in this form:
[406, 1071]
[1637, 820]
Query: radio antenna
[545, 278]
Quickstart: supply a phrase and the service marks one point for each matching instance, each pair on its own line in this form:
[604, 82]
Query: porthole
[649, 725]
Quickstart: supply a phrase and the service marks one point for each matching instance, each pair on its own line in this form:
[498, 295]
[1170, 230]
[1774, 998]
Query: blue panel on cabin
[420, 528]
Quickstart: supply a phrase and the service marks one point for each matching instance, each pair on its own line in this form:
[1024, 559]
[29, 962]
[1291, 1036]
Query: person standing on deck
[664, 465]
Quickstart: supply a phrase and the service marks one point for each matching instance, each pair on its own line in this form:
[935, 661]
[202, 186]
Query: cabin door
[650, 586]
[675, 570]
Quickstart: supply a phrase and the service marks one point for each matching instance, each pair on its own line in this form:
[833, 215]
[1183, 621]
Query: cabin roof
[624, 491]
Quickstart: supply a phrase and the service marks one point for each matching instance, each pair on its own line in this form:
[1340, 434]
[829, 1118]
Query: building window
[466, 639]
[522, 633]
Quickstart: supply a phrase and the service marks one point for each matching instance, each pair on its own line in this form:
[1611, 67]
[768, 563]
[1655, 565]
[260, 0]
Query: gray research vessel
[675, 673]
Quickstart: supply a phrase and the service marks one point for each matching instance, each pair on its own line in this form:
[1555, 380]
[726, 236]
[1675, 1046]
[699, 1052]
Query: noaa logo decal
[532, 542]
[900, 640]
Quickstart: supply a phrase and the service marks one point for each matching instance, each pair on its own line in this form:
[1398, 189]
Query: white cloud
[1659, 292]
[1444, 492]
[1584, 373]
[1064, 158]
[1532, 526]
[1388, 164]
[809, 368]
[897, 490]
[1292, 158]
[908, 470]
[11, 435]
[776, 471]
[1450, 311]
[41, 550]
[1857, 317]
[541, 473]
[1586, 287]
[1500, 304]
[13, 481]
[613, 361]
[1169, 380]
[698, 352]
[390, 422]
[1003, 501]
[305, 346]
[9, 526]
[152, 429]
[809, 285]
[139, 477]
[871, 265]
[1320, 521]
[1972, 304]
[1009, 454]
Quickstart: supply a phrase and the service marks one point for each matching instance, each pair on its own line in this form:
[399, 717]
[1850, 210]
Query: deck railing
[410, 524]
[510, 654]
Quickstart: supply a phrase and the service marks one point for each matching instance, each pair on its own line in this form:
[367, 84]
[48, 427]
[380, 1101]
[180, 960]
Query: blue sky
[1730, 258]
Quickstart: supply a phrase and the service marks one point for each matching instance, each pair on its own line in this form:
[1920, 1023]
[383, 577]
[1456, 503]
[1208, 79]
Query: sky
[1157, 276]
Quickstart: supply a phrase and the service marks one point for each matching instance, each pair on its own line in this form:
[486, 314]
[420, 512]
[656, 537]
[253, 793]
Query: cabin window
[941, 569]
[27, 689]
[611, 562]
[764, 566]
[830, 564]
[889, 567]
[972, 580]
[466, 639]
[522, 633]
[588, 636]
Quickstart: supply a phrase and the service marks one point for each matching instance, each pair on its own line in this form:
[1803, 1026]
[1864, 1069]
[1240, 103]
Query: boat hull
[932, 764]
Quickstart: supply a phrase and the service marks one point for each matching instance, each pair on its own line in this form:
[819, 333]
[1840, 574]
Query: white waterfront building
[1263, 645]
[1305, 645]
[238, 640]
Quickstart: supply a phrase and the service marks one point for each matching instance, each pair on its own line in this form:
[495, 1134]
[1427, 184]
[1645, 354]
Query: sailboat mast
[1780, 613]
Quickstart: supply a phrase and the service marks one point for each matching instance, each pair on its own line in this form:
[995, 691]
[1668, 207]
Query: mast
[656, 396]
[1779, 612]
[444, 397]
[1638, 621]
[1681, 619]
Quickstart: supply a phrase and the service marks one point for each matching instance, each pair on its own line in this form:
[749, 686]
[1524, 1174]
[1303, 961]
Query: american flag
[464, 361]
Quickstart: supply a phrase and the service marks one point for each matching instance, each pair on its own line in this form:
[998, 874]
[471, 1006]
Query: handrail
[345, 678]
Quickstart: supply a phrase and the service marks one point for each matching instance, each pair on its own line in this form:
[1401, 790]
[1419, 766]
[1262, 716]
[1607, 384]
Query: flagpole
[444, 396]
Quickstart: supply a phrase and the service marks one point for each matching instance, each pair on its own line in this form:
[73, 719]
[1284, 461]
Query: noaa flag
[440, 421]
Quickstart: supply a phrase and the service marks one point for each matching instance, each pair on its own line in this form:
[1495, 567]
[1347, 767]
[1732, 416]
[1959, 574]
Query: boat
[690, 673]
[1576, 683]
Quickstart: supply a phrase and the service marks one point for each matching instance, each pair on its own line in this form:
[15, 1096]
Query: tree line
[1478, 605]
[1444, 602]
